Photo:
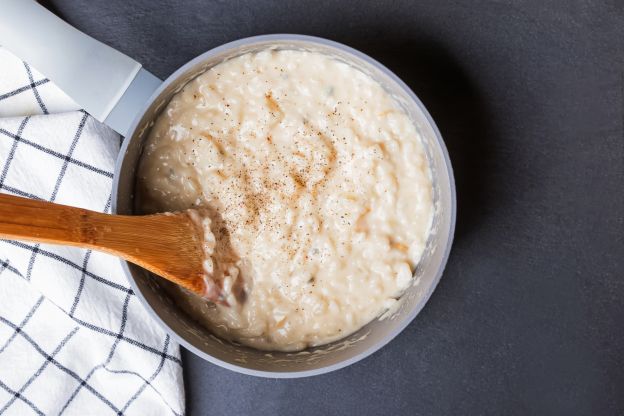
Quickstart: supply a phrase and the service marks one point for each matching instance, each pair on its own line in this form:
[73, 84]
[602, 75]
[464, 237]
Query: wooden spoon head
[172, 245]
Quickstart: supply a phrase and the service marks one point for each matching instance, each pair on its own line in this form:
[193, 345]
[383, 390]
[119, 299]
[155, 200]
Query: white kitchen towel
[74, 339]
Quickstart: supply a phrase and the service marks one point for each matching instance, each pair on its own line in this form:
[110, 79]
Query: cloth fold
[74, 339]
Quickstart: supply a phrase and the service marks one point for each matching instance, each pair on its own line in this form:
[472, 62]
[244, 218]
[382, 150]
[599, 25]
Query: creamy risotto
[317, 187]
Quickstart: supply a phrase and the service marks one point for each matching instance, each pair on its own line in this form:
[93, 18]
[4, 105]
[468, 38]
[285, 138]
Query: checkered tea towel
[74, 339]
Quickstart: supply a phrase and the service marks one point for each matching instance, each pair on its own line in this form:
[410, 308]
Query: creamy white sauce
[317, 187]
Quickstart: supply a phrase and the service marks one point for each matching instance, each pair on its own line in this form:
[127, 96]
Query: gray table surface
[529, 315]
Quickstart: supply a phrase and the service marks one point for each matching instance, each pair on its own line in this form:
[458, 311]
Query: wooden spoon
[169, 245]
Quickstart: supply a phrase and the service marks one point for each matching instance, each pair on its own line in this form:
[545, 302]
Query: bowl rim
[285, 37]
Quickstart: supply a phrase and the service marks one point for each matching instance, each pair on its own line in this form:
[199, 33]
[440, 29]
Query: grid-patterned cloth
[74, 339]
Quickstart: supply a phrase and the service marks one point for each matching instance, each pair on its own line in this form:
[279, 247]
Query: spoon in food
[171, 245]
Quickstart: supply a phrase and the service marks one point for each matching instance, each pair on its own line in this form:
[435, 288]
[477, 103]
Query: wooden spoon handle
[169, 245]
[46, 222]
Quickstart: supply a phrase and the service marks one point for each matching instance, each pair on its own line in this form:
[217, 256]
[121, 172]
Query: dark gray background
[529, 315]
